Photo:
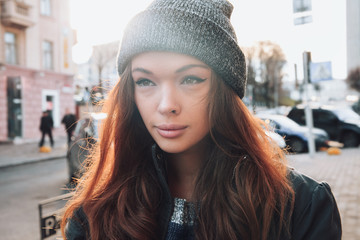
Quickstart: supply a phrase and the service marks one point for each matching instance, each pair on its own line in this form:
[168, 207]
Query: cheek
[200, 112]
[144, 108]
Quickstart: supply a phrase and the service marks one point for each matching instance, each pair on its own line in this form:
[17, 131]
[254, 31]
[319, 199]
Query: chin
[172, 147]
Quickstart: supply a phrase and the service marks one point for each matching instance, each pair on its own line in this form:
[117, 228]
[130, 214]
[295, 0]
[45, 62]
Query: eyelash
[197, 79]
[143, 82]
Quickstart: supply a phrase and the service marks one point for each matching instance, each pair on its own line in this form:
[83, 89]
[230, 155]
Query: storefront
[25, 94]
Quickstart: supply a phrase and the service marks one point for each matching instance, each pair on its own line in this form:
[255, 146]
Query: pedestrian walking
[180, 155]
[46, 126]
[69, 121]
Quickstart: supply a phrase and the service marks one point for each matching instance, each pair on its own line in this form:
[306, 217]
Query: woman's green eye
[193, 80]
[144, 82]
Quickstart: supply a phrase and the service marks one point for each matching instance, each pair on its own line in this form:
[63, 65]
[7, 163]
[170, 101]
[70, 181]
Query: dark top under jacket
[315, 215]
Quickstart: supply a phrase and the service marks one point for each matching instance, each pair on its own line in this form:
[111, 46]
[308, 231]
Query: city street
[342, 172]
[21, 189]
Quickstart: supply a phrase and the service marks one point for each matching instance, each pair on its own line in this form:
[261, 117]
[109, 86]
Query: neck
[183, 169]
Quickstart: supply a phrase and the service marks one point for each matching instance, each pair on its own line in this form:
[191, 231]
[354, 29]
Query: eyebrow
[182, 69]
[143, 70]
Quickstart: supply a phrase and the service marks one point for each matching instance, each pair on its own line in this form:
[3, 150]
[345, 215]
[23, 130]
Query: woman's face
[171, 93]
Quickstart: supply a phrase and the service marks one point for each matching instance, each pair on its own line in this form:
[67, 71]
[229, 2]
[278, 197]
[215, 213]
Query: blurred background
[59, 56]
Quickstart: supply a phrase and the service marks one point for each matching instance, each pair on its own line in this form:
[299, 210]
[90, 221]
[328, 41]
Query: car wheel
[350, 139]
[296, 145]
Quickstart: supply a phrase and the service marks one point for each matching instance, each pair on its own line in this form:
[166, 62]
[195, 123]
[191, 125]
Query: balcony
[15, 13]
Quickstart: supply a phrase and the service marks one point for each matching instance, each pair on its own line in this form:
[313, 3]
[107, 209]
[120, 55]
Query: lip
[170, 130]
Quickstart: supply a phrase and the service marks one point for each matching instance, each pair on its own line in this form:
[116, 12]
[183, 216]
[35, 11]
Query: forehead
[168, 60]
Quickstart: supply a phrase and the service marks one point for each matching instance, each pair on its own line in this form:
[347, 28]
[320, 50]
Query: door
[50, 103]
[14, 107]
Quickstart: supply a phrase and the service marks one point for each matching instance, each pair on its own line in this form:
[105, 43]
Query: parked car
[279, 140]
[84, 138]
[296, 136]
[341, 123]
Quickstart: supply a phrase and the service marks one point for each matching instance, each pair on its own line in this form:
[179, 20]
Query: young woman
[180, 156]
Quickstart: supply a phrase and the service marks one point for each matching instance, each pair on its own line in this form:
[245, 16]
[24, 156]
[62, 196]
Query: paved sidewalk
[342, 172]
[16, 154]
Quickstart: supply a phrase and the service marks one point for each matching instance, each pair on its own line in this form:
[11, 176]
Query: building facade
[353, 34]
[36, 69]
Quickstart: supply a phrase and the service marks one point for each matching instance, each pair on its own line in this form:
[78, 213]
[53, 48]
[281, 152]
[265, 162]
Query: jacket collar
[166, 200]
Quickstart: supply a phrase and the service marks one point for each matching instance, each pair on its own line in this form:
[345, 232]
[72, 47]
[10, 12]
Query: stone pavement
[342, 172]
[16, 154]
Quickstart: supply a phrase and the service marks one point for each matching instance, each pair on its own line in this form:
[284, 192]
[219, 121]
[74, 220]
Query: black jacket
[315, 215]
[46, 123]
[70, 122]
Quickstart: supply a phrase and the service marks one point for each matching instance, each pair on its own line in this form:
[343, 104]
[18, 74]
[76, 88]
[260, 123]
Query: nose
[169, 101]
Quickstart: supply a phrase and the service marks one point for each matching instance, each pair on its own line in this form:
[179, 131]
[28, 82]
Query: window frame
[302, 6]
[11, 48]
[46, 8]
[47, 55]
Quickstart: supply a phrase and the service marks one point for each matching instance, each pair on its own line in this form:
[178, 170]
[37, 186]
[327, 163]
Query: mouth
[170, 130]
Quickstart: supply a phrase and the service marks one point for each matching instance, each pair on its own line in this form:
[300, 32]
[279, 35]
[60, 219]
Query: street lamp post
[308, 112]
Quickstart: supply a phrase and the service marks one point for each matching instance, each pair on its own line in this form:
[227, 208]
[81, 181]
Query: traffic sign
[320, 71]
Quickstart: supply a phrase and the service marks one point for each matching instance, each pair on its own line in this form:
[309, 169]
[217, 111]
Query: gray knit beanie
[199, 28]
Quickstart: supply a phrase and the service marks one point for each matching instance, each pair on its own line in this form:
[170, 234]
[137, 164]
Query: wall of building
[56, 29]
[3, 108]
[37, 82]
[34, 85]
[353, 34]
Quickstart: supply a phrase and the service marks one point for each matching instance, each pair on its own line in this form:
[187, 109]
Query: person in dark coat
[69, 120]
[46, 126]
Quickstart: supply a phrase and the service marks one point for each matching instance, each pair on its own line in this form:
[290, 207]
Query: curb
[30, 161]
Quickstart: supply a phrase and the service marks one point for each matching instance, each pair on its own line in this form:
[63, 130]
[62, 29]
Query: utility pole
[296, 77]
[276, 92]
[308, 111]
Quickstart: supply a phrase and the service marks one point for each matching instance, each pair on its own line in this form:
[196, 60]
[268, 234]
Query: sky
[103, 21]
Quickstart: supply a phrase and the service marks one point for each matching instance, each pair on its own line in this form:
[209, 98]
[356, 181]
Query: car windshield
[346, 114]
[282, 121]
[285, 121]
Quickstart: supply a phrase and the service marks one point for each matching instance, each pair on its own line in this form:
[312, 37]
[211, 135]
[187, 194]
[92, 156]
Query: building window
[10, 48]
[301, 6]
[45, 7]
[47, 48]
[303, 20]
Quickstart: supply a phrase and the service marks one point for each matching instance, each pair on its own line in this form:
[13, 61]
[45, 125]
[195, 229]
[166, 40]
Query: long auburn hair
[242, 189]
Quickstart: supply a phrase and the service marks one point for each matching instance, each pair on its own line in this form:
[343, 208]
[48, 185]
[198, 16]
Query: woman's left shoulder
[315, 214]
[305, 186]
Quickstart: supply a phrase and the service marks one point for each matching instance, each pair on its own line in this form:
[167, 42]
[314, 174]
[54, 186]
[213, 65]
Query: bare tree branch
[102, 56]
[353, 79]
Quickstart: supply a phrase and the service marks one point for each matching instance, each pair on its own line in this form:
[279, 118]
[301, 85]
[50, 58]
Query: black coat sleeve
[51, 122]
[77, 227]
[316, 215]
